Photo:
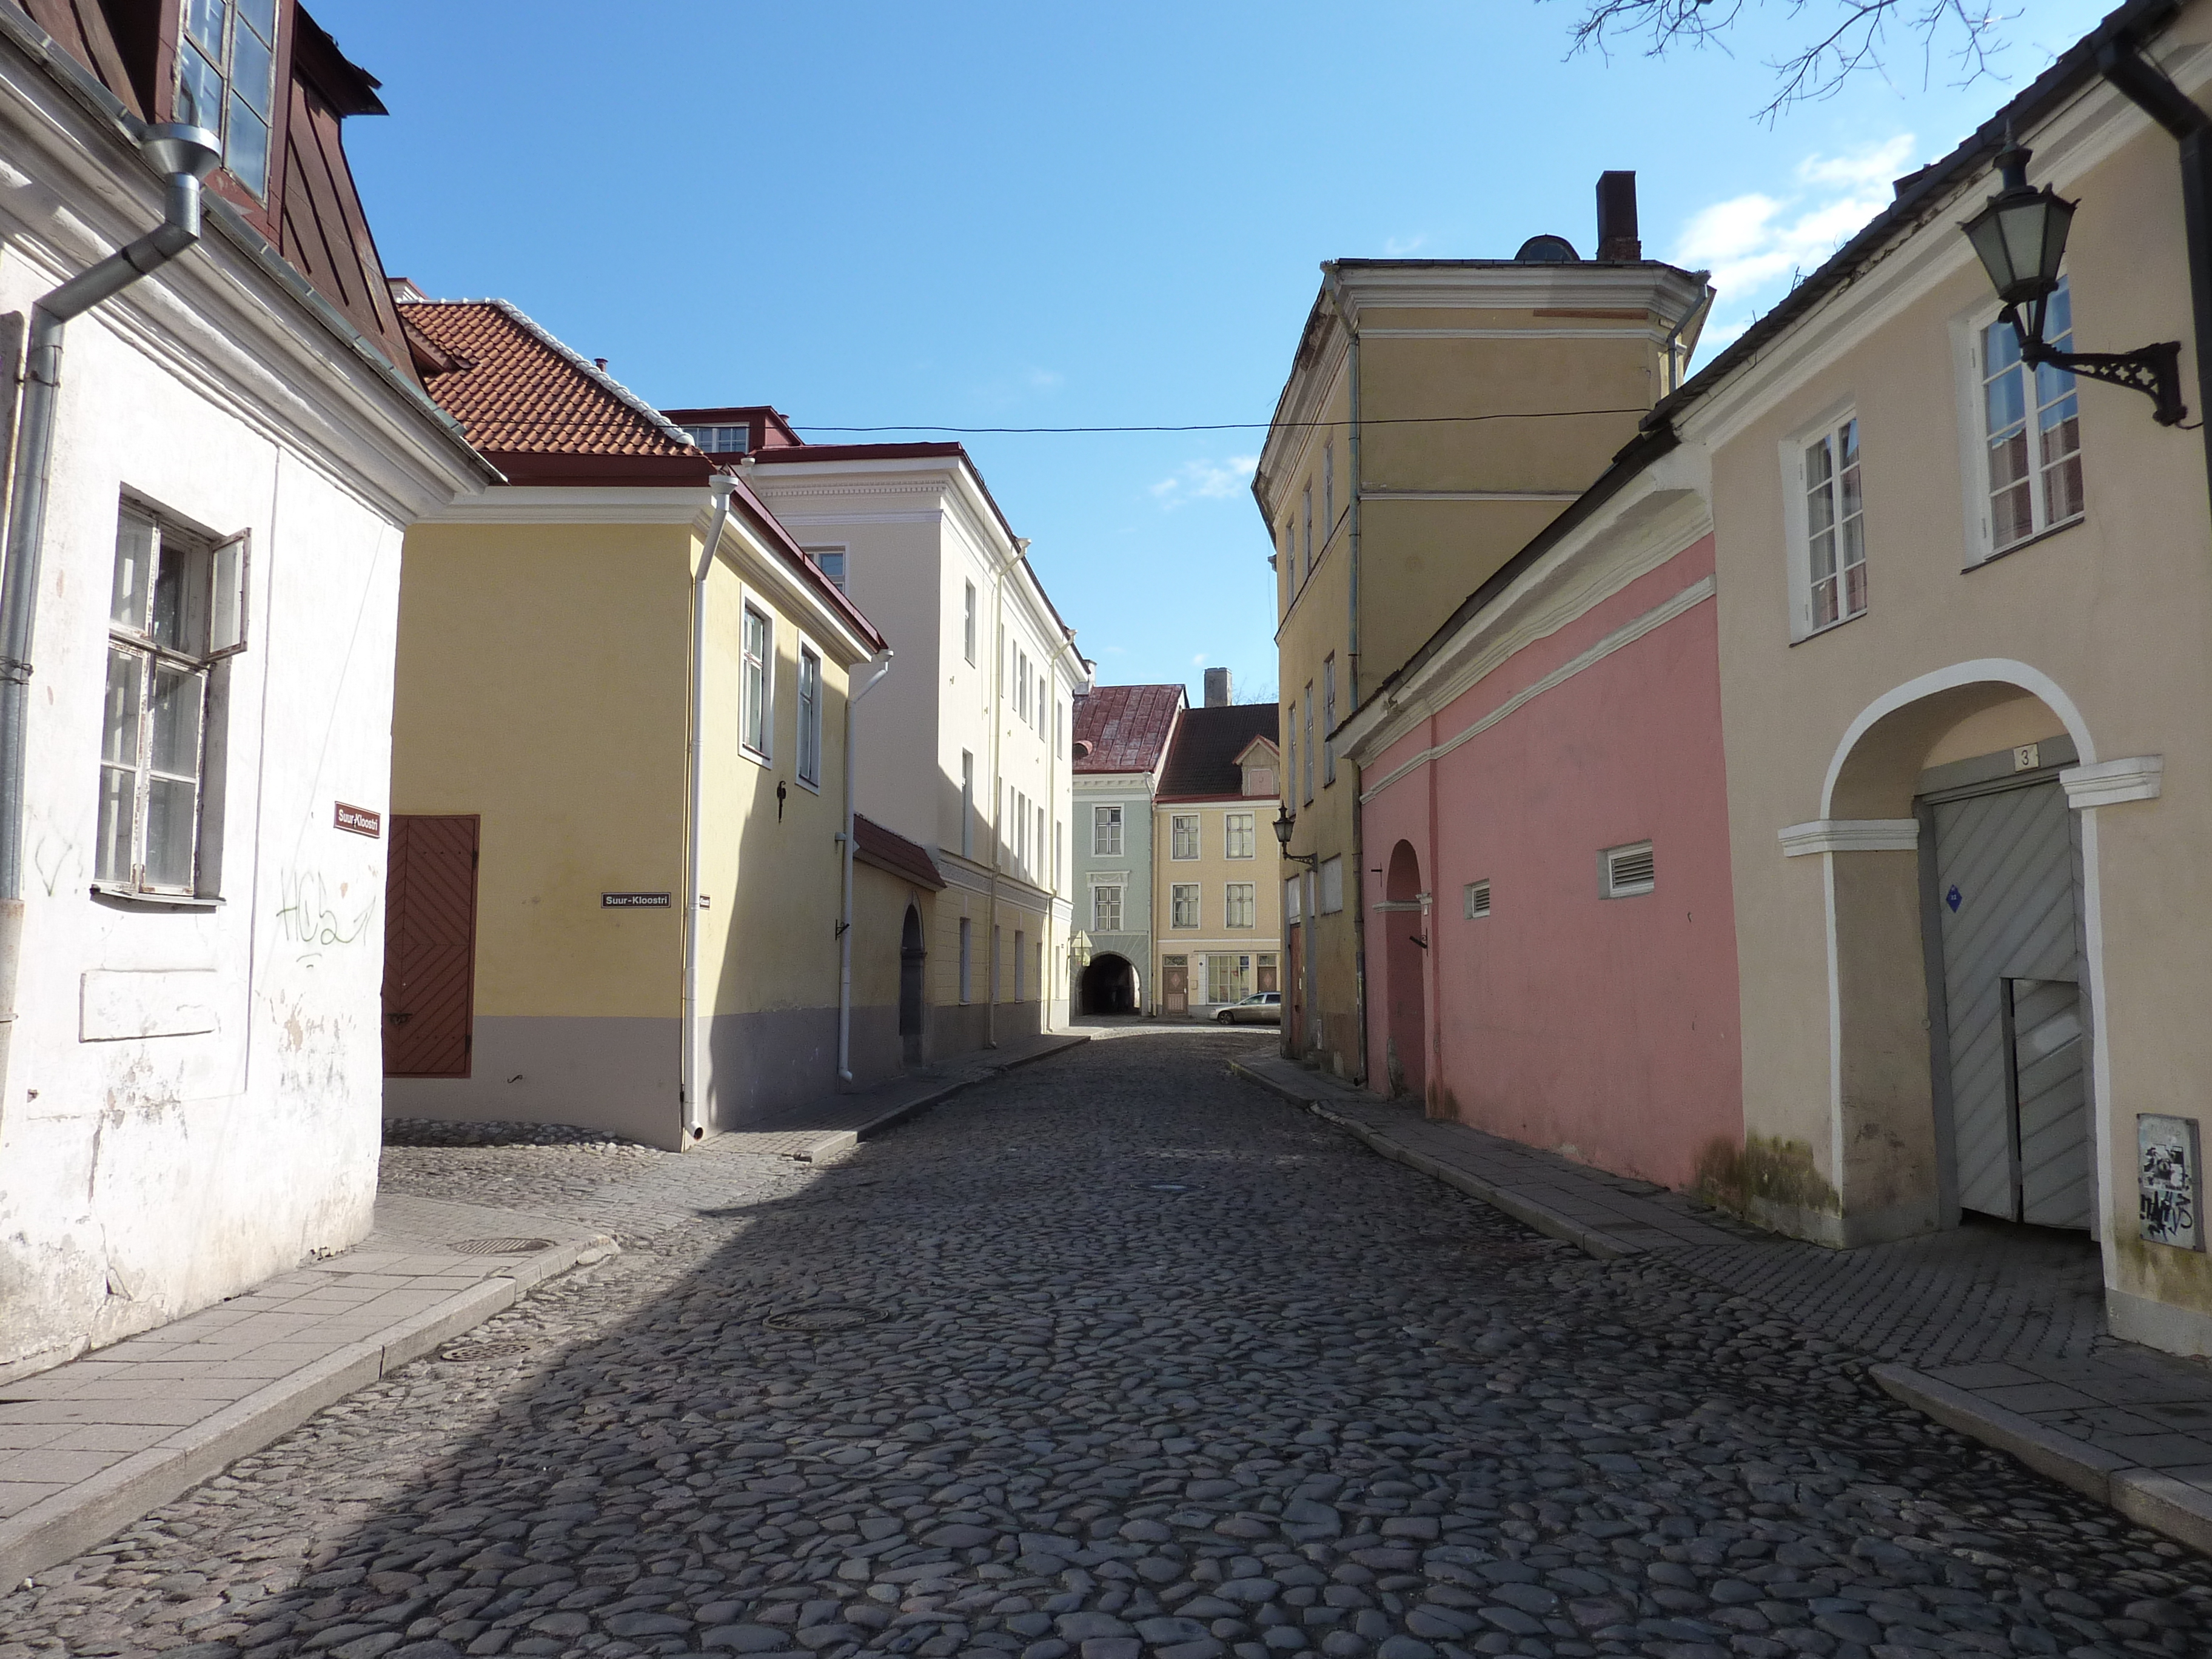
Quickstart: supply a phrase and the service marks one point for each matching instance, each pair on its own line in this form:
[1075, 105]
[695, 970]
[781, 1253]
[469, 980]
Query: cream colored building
[1438, 415]
[1217, 867]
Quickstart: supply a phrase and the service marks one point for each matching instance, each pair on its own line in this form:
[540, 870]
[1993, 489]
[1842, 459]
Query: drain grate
[462, 1353]
[500, 1246]
[824, 1320]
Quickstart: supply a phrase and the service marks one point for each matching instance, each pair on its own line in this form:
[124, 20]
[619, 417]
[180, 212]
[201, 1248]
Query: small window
[1309, 743]
[1832, 552]
[1106, 831]
[753, 713]
[1291, 899]
[1183, 904]
[1309, 524]
[967, 805]
[1239, 835]
[176, 606]
[1058, 846]
[226, 81]
[1182, 836]
[2032, 431]
[1625, 872]
[968, 627]
[1241, 907]
[810, 718]
[1106, 909]
[1290, 562]
[967, 958]
[1058, 730]
[1331, 898]
[723, 440]
[830, 562]
[1022, 685]
[1327, 718]
[1476, 896]
[1328, 490]
[1290, 779]
[1021, 960]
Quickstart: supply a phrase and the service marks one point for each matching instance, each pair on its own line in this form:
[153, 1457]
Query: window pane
[1823, 555]
[180, 598]
[171, 809]
[199, 90]
[2007, 402]
[2012, 517]
[179, 695]
[2062, 474]
[203, 19]
[119, 744]
[246, 147]
[1824, 602]
[261, 14]
[118, 811]
[134, 573]
[253, 71]
[118, 772]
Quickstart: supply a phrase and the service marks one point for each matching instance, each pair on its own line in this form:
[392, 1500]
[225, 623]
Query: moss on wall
[1762, 1170]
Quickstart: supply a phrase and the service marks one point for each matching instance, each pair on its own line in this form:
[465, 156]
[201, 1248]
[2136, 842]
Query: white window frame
[1241, 898]
[1236, 826]
[1099, 903]
[1059, 847]
[967, 803]
[809, 699]
[1609, 883]
[1185, 829]
[1100, 823]
[839, 552]
[1797, 487]
[1970, 346]
[968, 628]
[1183, 895]
[763, 686]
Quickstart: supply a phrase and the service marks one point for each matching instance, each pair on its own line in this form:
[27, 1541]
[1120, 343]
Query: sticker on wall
[2170, 1180]
[1952, 898]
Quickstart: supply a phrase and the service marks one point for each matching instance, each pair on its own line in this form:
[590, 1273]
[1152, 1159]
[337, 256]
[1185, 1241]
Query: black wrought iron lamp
[2021, 240]
[1286, 823]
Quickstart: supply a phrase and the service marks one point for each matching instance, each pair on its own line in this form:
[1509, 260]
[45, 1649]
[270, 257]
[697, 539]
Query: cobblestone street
[1112, 1356]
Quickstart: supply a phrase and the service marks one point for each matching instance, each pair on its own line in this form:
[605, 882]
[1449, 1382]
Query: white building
[965, 746]
[207, 537]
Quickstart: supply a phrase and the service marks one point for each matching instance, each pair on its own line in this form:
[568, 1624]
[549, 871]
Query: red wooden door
[430, 947]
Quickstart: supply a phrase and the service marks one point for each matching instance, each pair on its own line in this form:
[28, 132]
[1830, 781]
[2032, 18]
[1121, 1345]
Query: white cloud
[1198, 661]
[1397, 247]
[1205, 481]
[1756, 244]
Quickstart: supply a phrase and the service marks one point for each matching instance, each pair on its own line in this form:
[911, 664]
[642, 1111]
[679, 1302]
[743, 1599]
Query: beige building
[1217, 885]
[1438, 415]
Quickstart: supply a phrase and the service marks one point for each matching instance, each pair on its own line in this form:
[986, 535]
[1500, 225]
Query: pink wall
[1604, 1028]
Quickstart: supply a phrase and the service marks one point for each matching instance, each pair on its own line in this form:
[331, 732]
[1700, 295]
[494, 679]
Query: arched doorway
[1962, 993]
[1109, 984]
[913, 954]
[1405, 953]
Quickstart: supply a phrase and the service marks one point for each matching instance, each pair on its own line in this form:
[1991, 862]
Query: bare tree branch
[1854, 37]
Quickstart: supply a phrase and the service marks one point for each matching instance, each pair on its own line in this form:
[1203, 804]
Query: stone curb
[838, 1143]
[88, 1514]
[1531, 1211]
[2153, 1499]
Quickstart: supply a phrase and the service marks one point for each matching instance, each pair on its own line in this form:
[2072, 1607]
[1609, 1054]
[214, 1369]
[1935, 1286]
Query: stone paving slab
[90, 1446]
[1999, 1335]
[829, 1128]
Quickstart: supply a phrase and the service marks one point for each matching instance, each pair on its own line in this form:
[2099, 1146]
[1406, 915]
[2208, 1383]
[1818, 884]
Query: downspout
[694, 1121]
[2147, 87]
[1002, 660]
[185, 155]
[1351, 679]
[845, 911]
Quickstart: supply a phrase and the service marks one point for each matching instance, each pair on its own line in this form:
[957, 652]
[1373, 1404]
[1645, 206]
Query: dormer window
[226, 81]
[723, 440]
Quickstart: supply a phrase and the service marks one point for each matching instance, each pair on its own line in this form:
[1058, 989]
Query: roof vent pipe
[1616, 218]
[185, 155]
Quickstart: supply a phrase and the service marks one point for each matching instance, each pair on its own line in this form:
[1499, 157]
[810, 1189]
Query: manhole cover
[500, 1246]
[820, 1321]
[462, 1352]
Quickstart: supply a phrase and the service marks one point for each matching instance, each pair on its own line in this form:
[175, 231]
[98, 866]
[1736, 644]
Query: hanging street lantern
[2020, 236]
[1286, 823]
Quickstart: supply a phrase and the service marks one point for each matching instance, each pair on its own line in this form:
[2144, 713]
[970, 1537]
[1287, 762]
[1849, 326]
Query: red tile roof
[1202, 762]
[520, 391]
[1126, 726]
[873, 844]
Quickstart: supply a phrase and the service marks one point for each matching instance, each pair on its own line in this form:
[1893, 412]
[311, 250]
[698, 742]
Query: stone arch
[1109, 985]
[1405, 946]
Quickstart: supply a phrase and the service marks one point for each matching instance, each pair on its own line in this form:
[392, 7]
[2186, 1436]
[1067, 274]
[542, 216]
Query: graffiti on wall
[314, 918]
[2170, 1180]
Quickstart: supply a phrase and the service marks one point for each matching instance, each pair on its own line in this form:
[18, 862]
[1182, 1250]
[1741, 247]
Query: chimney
[1217, 688]
[1616, 217]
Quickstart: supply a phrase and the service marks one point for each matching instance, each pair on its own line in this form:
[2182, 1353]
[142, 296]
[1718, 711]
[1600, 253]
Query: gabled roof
[872, 844]
[543, 414]
[1202, 759]
[1127, 726]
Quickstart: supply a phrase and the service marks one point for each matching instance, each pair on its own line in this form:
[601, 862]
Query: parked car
[1260, 1008]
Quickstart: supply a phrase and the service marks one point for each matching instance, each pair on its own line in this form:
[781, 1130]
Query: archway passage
[1405, 953]
[912, 955]
[1109, 984]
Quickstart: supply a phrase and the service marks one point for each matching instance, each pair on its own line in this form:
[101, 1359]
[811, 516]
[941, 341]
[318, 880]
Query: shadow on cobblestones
[1112, 1357]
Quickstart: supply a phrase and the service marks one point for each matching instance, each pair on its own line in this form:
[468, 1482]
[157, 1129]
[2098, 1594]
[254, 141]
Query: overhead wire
[1234, 426]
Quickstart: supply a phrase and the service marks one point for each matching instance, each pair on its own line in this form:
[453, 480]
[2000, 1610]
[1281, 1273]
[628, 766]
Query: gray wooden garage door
[2012, 975]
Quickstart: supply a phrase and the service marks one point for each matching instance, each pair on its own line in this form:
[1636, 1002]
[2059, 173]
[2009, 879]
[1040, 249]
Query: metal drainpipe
[845, 914]
[999, 667]
[2146, 86]
[1351, 679]
[718, 489]
[185, 155]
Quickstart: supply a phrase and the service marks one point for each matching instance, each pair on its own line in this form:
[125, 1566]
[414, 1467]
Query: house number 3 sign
[2170, 1181]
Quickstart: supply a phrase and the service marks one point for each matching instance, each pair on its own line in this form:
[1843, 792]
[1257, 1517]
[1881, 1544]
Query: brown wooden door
[1174, 985]
[430, 947]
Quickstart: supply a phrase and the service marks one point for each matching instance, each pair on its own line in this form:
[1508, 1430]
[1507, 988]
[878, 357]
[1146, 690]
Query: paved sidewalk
[89, 1446]
[830, 1128]
[1997, 1333]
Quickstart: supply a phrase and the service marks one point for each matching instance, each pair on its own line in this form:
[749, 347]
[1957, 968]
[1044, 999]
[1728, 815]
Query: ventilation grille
[1477, 894]
[1627, 869]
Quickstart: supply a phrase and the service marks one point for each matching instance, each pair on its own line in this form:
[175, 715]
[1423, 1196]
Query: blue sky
[1018, 214]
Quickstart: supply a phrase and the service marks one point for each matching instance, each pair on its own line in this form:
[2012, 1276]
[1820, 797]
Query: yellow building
[1217, 867]
[1438, 413]
[544, 807]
